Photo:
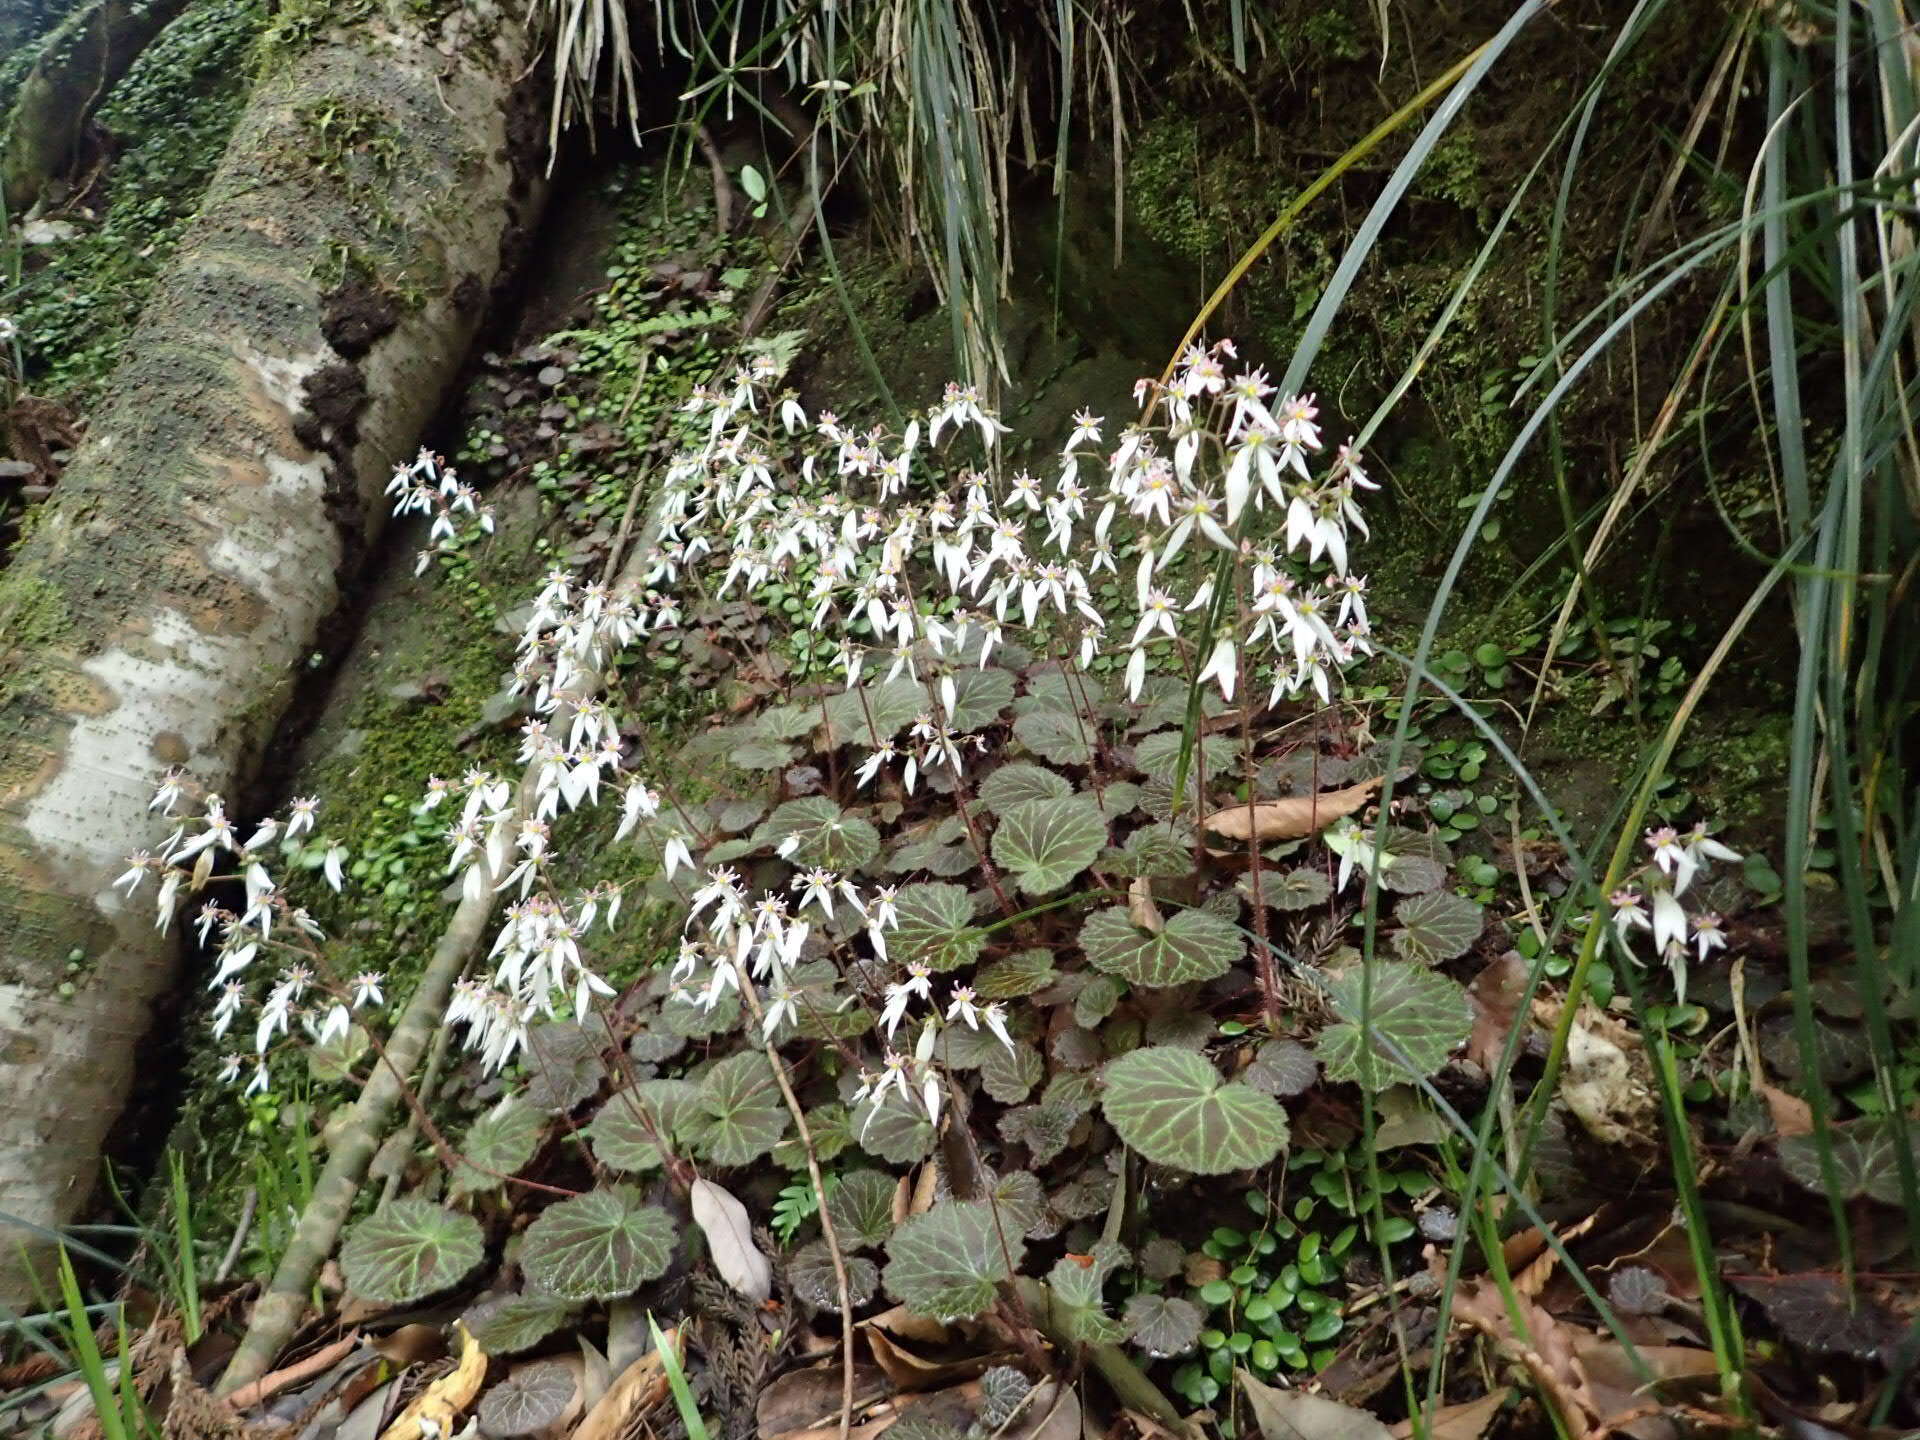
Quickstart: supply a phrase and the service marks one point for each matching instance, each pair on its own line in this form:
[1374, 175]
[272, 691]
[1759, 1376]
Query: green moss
[171, 115]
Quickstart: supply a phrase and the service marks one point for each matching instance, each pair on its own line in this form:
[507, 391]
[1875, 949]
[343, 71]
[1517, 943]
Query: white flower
[1224, 666]
[1669, 920]
[902, 993]
[995, 1016]
[230, 1064]
[1709, 934]
[676, 854]
[258, 1084]
[963, 1007]
[1703, 847]
[1672, 857]
[333, 866]
[1628, 913]
[138, 864]
[300, 815]
[366, 990]
[8, 329]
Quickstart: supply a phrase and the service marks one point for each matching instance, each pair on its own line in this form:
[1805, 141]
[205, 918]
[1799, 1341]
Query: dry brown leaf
[925, 1190]
[1300, 1415]
[1052, 1413]
[1791, 1115]
[441, 1402]
[1496, 995]
[1547, 1353]
[909, 1371]
[902, 1324]
[809, 1397]
[952, 1408]
[903, 1200]
[1604, 1081]
[1532, 1261]
[641, 1386]
[1141, 910]
[1292, 817]
[1460, 1422]
[729, 1231]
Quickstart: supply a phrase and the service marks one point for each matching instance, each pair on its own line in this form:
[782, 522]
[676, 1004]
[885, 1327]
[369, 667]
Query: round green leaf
[1014, 785]
[1417, 1018]
[875, 713]
[894, 1131]
[1157, 850]
[810, 1272]
[936, 927]
[1436, 926]
[1045, 843]
[945, 1264]
[1865, 1160]
[514, 1323]
[1158, 756]
[822, 833]
[621, 1134]
[1195, 945]
[596, 1246]
[563, 1066]
[861, 1208]
[1018, 974]
[1162, 1325]
[1064, 737]
[1300, 889]
[409, 1248]
[528, 1400]
[743, 1113]
[502, 1140]
[980, 697]
[1172, 1106]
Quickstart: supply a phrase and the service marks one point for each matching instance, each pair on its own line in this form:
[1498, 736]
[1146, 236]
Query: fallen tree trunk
[159, 612]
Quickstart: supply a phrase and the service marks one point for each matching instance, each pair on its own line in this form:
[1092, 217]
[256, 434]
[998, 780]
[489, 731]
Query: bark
[293, 350]
[79, 63]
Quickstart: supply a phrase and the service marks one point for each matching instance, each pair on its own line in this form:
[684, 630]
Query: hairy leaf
[1019, 974]
[1436, 926]
[981, 697]
[873, 713]
[1016, 784]
[597, 1246]
[810, 1272]
[621, 1135]
[563, 1066]
[1282, 1067]
[824, 835]
[744, 1112]
[513, 1323]
[1300, 889]
[936, 927]
[1171, 1105]
[1064, 737]
[1010, 1075]
[1095, 1001]
[502, 1140]
[1417, 1014]
[1194, 946]
[946, 1263]
[1002, 1391]
[1075, 1288]
[1156, 851]
[1019, 1199]
[1865, 1160]
[893, 1132]
[861, 1208]
[1158, 757]
[1045, 843]
[530, 1399]
[409, 1248]
[1161, 1325]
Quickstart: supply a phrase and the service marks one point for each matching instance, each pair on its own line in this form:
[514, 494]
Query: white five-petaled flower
[1709, 934]
[300, 815]
[334, 866]
[902, 993]
[366, 989]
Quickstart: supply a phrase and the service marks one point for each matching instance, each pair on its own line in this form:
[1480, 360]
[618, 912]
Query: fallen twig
[268, 1386]
[248, 1204]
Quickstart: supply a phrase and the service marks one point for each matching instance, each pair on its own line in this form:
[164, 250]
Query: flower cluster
[265, 925]
[429, 486]
[1650, 902]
